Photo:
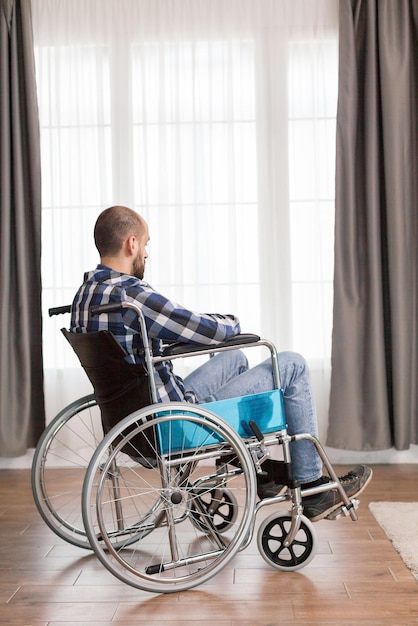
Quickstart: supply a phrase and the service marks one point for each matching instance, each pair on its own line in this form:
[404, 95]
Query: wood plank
[355, 578]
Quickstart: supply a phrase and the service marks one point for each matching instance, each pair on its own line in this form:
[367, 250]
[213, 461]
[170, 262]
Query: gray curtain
[374, 382]
[22, 415]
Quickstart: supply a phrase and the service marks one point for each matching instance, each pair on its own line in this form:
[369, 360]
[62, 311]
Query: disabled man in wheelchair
[121, 237]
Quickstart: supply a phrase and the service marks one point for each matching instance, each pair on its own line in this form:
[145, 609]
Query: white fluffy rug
[399, 520]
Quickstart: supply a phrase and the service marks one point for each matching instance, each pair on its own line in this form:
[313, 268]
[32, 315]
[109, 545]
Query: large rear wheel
[182, 515]
[59, 466]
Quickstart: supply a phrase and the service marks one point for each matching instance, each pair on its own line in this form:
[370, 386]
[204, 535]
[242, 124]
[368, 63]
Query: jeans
[226, 375]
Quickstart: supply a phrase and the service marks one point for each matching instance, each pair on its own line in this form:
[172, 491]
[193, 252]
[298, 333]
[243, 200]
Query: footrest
[342, 510]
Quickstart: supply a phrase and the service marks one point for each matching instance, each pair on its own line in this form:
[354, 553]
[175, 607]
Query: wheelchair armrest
[177, 348]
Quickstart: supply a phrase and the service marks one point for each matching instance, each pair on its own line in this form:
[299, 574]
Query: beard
[138, 268]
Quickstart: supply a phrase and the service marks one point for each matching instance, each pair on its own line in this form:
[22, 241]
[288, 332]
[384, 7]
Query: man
[121, 237]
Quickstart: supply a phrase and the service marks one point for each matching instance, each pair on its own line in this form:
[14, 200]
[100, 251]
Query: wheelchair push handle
[95, 310]
[58, 310]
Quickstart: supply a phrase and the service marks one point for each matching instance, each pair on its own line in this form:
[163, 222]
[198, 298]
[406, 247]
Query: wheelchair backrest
[120, 387]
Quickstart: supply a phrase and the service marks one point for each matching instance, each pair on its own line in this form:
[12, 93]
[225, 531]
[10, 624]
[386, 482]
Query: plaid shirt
[165, 321]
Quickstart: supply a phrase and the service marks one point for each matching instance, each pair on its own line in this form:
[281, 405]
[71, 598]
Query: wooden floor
[355, 578]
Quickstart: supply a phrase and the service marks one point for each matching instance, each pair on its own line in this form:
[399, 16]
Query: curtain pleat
[22, 416]
[373, 403]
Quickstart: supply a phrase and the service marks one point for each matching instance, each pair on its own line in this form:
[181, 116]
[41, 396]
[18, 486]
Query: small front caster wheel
[271, 542]
[220, 507]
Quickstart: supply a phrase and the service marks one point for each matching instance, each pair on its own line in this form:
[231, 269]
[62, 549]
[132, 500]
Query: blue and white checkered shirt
[165, 321]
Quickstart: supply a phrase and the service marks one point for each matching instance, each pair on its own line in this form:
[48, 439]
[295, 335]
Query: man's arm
[169, 321]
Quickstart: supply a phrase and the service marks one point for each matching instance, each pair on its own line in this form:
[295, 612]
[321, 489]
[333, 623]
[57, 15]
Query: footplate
[343, 510]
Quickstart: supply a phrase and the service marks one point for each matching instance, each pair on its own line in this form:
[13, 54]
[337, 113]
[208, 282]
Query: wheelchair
[165, 494]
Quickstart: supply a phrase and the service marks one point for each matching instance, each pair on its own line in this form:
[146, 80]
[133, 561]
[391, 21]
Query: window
[312, 92]
[217, 124]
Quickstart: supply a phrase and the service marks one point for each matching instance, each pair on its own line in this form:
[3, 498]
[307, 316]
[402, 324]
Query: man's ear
[131, 245]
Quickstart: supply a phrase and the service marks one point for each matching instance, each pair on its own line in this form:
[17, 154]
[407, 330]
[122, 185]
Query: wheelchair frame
[139, 515]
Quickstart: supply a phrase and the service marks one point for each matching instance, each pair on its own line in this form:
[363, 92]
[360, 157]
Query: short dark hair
[113, 226]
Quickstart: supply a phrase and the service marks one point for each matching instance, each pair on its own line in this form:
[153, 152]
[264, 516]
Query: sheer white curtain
[215, 119]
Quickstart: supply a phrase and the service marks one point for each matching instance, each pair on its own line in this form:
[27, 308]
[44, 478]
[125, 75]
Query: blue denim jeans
[226, 375]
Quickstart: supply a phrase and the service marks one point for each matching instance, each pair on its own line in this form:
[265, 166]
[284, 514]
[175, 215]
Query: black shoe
[356, 480]
[320, 505]
[269, 489]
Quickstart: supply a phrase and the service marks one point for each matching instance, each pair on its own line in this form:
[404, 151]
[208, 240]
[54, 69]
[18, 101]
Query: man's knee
[235, 360]
[292, 366]
[292, 357]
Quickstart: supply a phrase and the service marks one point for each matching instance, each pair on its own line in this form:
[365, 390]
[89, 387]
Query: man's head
[121, 237]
